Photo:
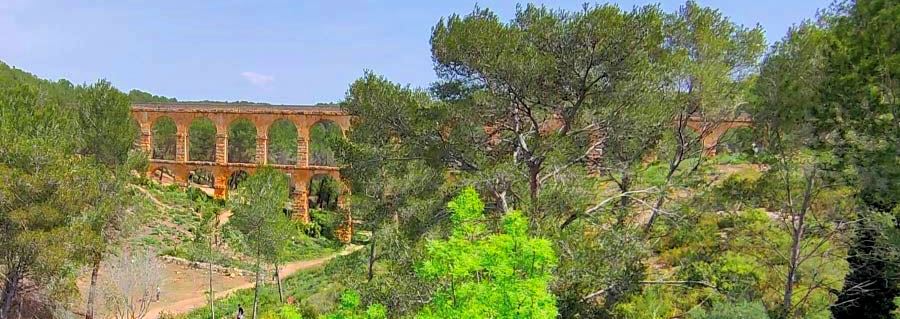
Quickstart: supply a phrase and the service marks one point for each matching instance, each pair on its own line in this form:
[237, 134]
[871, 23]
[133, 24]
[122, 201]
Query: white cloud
[257, 79]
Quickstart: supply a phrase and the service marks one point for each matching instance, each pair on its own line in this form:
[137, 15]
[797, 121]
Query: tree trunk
[674, 163]
[792, 272]
[256, 288]
[92, 291]
[371, 258]
[278, 280]
[534, 186]
[673, 167]
[798, 228]
[624, 201]
[212, 297]
[9, 292]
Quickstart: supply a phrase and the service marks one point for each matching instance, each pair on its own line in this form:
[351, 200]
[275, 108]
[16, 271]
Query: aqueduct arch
[712, 131]
[223, 115]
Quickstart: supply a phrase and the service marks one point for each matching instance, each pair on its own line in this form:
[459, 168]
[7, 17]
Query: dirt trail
[223, 216]
[184, 288]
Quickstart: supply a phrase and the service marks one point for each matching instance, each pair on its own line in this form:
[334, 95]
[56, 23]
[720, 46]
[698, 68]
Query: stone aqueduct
[262, 117]
[303, 118]
[712, 131]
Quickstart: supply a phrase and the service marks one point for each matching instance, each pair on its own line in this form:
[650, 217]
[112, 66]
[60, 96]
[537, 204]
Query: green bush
[326, 222]
[742, 188]
[738, 141]
[195, 194]
[300, 287]
[350, 309]
[729, 310]
[653, 303]
[283, 312]
[732, 159]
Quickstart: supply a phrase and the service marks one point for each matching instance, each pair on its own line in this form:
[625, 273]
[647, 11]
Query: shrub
[350, 309]
[326, 222]
[283, 312]
[729, 310]
[195, 194]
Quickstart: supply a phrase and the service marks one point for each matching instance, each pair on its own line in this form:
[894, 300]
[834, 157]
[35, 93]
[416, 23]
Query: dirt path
[184, 288]
[223, 216]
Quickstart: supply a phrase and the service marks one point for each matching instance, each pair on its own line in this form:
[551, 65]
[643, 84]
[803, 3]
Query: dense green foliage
[503, 275]
[861, 115]
[578, 184]
[600, 71]
[349, 309]
[659, 230]
[45, 188]
[258, 207]
[282, 143]
[202, 140]
[65, 156]
[241, 141]
[322, 137]
[323, 193]
[138, 96]
[163, 139]
[62, 91]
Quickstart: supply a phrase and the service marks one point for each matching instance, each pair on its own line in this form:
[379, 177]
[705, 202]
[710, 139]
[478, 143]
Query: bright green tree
[349, 308]
[485, 275]
[258, 206]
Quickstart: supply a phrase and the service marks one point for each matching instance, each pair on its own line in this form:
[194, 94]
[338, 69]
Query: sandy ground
[183, 289]
[179, 283]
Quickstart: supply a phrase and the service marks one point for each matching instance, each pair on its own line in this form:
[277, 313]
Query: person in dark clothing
[240, 314]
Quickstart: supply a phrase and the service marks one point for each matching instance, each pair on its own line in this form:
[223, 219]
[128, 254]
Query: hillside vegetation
[559, 167]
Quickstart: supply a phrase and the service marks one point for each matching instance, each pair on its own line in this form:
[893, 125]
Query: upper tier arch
[304, 117]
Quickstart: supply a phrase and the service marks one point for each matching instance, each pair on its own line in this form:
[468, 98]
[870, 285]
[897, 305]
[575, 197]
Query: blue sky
[287, 52]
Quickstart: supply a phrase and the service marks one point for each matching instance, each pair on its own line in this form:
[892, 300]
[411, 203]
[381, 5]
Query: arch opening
[163, 138]
[738, 141]
[163, 175]
[323, 138]
[323, 192]
[202, 140]
[282, 143]
[241, 141]
[202, 178]
[235, 179]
